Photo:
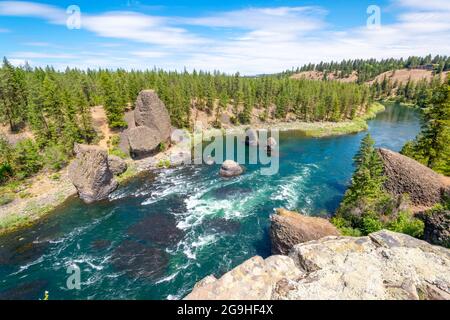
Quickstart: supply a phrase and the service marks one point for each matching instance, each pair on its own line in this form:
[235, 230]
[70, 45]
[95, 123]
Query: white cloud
[429, 5]
[32, 9]
[41, 55]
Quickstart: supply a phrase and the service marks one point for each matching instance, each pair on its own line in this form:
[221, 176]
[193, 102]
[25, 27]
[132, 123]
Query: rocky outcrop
[90, 173]
[407, 176]
[148, 126]
[271, 144]
[437, 227]
[143, 141]
[117, 165]
[251, 138]
[290, 228]
[383, 265]
[255, 279]
[151, 112]
[230, 168]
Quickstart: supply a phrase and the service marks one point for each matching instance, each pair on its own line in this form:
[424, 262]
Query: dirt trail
[100, 122]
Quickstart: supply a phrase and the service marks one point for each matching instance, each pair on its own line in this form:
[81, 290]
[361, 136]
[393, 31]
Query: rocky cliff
[383, 265]
[90, 173]
[407, 176]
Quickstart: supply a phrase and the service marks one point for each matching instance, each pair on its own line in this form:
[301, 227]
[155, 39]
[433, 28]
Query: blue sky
[247, 36]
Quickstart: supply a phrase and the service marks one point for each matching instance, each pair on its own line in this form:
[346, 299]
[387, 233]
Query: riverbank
[39, 196]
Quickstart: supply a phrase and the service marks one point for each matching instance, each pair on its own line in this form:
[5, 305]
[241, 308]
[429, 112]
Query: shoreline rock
[251, 138]
[289, 228]
[117, 165]
[90, 173]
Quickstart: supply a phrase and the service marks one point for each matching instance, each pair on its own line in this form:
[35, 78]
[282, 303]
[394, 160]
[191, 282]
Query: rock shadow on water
[140, 261]
[230, 192]
[158, 229]
[100, 244]
[22, 252]
[33, 290]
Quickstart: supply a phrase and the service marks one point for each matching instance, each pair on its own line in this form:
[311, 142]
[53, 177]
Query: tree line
[56, 105]
[432, 145]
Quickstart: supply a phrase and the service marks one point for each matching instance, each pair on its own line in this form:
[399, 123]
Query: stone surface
[90, 173]
[143, 141]
[230, 168]
[251, 137]
[117, 165]
[271, 144]
[253, 280]
[437, 228]
[407, 176]
[383, 265]
[290, 228]
[151, 112]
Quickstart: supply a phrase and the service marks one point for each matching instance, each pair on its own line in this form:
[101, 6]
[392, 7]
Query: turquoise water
[164, 231]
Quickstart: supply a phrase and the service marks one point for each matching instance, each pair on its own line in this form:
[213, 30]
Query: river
[164, 231]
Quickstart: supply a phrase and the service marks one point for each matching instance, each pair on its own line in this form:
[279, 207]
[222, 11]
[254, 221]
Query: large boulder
[290, 228]
[437, 227]
[117, 165]
[90, 173]
[383, 266]
[251, 138]
[230, 168]
[143, 141]
[151, 112]
[407, 176]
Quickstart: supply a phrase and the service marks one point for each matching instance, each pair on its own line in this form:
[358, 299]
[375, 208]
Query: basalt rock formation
[383, 265]
[150, 126]
[143, 141]
[117, 165]
[251, 138]
[407, 176]
[437, 227]
[151, 112]
[90, 173]
[290, 228]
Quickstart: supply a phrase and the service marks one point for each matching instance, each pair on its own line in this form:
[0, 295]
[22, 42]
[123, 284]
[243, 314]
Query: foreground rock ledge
[383, 265]
[290, 228]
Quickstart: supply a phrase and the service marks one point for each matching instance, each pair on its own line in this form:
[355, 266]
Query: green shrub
[163, 163]
[371, 224]
[26, 159]
[55, 157]
[343, 226]
[55, 176]
[162, 147]
[6, 198]
[118, 153]
[406, 223]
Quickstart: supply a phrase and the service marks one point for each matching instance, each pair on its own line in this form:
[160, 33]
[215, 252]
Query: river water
[164, 231]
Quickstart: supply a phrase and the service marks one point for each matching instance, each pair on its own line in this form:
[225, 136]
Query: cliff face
[383, 265]
[407, 176]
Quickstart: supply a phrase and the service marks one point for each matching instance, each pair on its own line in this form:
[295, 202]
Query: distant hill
[401, 76]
